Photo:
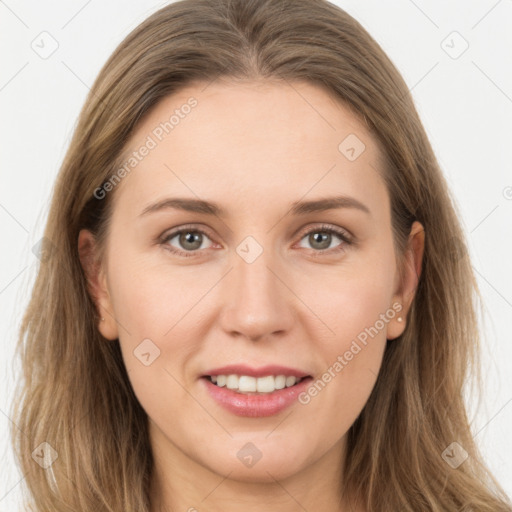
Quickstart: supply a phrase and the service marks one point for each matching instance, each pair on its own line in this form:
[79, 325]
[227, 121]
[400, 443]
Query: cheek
[353, 297]
[358, 308]
[151, 306]
[150, 295]
[159, 307]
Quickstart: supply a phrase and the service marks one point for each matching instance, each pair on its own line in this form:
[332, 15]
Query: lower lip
[256, 406]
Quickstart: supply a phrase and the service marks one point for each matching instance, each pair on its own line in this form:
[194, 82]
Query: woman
[188, 345]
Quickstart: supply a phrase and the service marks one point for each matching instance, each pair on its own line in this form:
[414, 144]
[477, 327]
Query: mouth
[250, 385]
[255, 396]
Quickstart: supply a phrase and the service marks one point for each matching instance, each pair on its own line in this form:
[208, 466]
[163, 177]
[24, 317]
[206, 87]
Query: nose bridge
[254, 278]
[257, 303]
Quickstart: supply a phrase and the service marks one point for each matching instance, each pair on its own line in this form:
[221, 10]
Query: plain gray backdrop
[456, 58]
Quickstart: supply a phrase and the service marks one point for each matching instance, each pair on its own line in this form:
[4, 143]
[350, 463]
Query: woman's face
[256, 281]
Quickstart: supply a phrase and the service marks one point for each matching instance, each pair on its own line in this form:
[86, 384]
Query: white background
[465, 104]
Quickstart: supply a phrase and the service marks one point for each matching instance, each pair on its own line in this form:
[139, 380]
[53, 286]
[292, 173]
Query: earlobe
[97, 284]
[410, 279]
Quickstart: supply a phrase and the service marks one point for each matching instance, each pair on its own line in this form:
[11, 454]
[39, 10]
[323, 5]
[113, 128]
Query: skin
[253, 148]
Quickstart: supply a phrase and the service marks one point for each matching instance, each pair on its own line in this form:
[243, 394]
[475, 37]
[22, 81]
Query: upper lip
[262, 371]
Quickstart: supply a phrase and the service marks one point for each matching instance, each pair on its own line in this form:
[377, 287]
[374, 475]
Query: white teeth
[266, 384]
[248, 384]
[290, 381]
[232, 382]
[280, 382]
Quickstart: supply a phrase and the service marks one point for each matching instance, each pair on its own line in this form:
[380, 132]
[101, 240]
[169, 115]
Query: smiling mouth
[246, 384]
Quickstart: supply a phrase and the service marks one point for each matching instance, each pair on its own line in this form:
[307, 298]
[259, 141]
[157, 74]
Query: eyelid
[169, 233]
[341, 233]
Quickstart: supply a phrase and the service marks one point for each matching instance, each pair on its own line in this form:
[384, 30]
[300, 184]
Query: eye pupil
[188, 237]
[321, 239]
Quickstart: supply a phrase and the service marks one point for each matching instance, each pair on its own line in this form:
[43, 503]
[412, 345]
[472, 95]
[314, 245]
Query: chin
[258, 462]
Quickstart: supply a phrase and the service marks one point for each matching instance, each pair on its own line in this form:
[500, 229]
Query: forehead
[241, 142]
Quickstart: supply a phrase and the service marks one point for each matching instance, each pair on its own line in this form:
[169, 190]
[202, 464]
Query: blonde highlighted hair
[75, 393]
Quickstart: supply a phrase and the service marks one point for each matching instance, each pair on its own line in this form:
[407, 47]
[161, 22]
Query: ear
[97, 284]
[405, 289]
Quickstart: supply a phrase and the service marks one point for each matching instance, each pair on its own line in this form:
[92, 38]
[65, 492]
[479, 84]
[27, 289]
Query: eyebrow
[297, 208]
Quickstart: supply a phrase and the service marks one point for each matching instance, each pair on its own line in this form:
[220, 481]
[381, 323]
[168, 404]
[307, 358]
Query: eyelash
[322, 229]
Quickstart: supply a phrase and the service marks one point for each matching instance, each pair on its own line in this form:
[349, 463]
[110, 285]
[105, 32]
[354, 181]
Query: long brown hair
[76, 395]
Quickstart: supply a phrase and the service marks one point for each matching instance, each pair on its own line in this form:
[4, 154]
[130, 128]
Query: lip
[242, 369]
[255, 406]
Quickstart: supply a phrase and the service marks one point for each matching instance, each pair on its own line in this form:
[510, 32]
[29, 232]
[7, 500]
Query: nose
[257, 302]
